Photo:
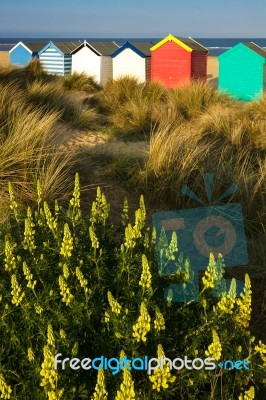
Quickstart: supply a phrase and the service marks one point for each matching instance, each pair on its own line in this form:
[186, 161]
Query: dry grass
[28, 150]
[222, 140]
[80, 81]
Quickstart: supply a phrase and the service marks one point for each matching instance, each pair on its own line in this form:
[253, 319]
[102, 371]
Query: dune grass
[28, 150]
[80, 82]
[221, 140]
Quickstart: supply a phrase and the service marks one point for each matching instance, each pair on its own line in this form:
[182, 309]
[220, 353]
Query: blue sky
[118, 18]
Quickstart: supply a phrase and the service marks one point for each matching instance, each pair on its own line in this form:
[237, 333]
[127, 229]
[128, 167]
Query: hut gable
[132, 59]
[56, 57]
[22, 53]
[175, 60]
[242, 71]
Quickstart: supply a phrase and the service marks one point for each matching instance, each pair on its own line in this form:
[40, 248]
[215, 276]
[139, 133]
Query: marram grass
[73, 283]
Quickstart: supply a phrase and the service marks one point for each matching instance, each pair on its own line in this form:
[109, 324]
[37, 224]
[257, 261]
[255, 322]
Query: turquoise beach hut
[56, 57]
[22, 53]
[242, 71]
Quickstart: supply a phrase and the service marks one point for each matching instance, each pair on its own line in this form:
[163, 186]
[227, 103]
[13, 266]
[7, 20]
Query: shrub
[79, 286]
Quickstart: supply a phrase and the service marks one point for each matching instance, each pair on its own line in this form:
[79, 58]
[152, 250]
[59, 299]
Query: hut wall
[148, 68]
[85, 60]
[170, 65]
[241, 74]
[20, 56]
[129, 63]
[199, 65]
[52, 61]
[106, 69]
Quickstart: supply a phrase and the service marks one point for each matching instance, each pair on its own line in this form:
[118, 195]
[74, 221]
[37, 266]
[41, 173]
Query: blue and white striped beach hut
[56, 57]
[23, 52]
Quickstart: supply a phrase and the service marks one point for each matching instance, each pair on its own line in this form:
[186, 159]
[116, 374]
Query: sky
[135, 19]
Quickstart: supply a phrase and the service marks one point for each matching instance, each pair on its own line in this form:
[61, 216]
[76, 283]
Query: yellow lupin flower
[74, 205]
[227, 302]
[67, 297]
[215, 348]
[99, 209]
[126, 391]
[261, 349]
[50, 335]
[248, 395]
[30, 354]
[143, 325]
[48, 373]
[129, 237]
[62, 334]
[94, 240]
[17, 293]
[244, 304]
[50, 220]
[29, 277]
[65, 271]
[161, 376]
[100, 392]
[13, 203]
[82, 280]
[29, 232]
[10, 260]
[172, 248]
[125, 217]
[5, 390]
[115, 306]
[208, 278]
[38, 309]
[145, 279]
[67, 243]
[159, 322]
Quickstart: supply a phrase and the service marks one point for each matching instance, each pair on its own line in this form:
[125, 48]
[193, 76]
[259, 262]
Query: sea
[216, 46]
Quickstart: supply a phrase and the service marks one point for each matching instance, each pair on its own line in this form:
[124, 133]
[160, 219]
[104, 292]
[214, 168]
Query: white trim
[22, 44]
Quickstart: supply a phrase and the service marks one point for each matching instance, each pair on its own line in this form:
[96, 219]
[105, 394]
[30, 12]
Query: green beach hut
[242, 71]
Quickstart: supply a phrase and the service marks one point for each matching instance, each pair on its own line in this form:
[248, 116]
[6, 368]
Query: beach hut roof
[142, 49]
[100, 48]
[250, 45]
[35, 47]
[31, 47]
[63, 47]
[188, 44]
[259, 50]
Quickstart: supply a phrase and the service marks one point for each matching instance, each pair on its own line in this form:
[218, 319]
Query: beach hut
[23, 52]
[94, 58]
[242, 71]
[175, 60]
[56, 57]
[133, 59]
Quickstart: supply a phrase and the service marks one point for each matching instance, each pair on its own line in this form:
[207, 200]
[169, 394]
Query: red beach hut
[176, 60]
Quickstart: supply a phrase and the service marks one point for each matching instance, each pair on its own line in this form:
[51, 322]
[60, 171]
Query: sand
[212, 70]
[4, 58]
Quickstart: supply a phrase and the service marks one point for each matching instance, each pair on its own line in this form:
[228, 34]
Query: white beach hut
[94, 58]
[133, 59]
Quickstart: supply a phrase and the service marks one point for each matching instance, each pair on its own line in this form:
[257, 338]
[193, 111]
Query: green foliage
[75, 284]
